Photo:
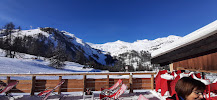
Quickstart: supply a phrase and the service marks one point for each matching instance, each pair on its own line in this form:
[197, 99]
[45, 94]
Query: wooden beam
[131, 82]
[107, 81]
[84, 82]
[59, 89]
[171, 67]
[33, 86]
[152, 82]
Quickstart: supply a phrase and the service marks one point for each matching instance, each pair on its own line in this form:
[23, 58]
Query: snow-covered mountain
[45, 41]
[119, 47]
[74, 46]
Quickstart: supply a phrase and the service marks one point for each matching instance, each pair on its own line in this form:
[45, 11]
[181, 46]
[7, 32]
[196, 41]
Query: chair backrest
[173, 84]
[213, 87]
[163, 72]
[120, 91]
[178, 72]
[141, 97]
[114, 95]
[9, 86]
[198, 75]
[119, 82]
[58, 85]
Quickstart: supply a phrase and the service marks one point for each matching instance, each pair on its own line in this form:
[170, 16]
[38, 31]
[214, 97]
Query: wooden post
[33, 86]
[171, 67]
[84, 82]
[59, 89]
[8, 81]
[152, 82]
[107, 81]
[131, 82]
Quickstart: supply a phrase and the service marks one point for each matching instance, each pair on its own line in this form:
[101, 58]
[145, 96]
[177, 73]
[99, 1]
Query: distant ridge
[119, 47]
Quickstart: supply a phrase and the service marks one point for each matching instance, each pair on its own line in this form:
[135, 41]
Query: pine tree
[57, 61]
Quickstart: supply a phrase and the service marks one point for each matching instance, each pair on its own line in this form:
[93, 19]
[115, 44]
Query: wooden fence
[75, 85]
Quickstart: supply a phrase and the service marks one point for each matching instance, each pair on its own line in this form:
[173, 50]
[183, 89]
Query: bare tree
[9, 28]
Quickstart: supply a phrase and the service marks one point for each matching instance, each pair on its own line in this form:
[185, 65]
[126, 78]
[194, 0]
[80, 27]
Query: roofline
[193, 37]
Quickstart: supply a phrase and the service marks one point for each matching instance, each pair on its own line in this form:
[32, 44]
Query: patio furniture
[158, 78]
[213, 86]
[115, 95]
[112, 88]
[213, 98]
[44, 94]
[179, 72]
[119, 82]
[165, 80]
[9, 87]
[172, 85]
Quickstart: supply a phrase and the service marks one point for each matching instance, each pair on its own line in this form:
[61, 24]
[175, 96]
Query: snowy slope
[26, 65]
[32, 66]
[120, 47]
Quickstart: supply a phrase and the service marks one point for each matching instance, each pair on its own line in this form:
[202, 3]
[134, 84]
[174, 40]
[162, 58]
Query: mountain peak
[119, 41]
[119, 47]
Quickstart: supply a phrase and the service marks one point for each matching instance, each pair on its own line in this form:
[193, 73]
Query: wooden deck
[79, 96]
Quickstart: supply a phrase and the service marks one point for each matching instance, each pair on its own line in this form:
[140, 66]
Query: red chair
[9, 86]
[179, 71]
[213, 87]
[158, 78]
[207, 90]
[213, 98]
[118, 83]
[173, 73]
[115, 95]
[112, 88]
[44, 94]
[198, 75]
[173, 84]
[165, 86]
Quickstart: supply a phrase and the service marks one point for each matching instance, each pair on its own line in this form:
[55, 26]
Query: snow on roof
[193, 37]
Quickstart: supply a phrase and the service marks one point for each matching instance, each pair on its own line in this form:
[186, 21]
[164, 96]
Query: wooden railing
[74, 85]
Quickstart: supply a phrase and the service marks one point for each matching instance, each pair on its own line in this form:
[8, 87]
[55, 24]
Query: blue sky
[101, 21]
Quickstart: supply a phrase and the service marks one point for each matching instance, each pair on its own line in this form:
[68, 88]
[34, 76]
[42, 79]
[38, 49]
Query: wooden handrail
[89, 73]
